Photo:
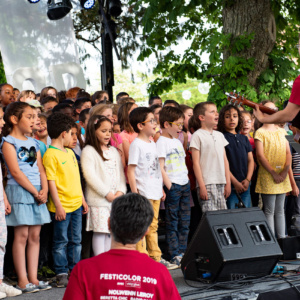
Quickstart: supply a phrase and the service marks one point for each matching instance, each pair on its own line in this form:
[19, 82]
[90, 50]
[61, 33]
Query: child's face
[7, 95]
[156, 114]
[210, 117]
[42, 132]
[231, 120]
[86, 105]
[49, 105]
[73, 140]
[68, 111]
[37, 121]
[27, 121]
[187, 115]
[30, 96]
[175, 127]
[117, 129]
[1, 119]
[67, 137]
[16, 93]
[52, 93]
[108, 114]
[103, 133]
[157, 101]
[149, 125]
[247, 124]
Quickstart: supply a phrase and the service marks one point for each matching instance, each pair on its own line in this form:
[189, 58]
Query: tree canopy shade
[251, 42]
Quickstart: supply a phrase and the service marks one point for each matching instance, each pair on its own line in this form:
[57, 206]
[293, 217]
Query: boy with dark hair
[121, 95]
[209, 159]
[63, 108]
[175, 177]
[155, 100]
[144, 176]
[66, 197]
[122, 269]
[171, 103]
[81, 104]
[49, 103]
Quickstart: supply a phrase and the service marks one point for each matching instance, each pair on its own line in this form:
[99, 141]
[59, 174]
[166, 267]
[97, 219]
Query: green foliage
[197, 26]
[2, 73]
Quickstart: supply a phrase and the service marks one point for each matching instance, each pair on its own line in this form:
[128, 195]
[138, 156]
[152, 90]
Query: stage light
[115, 8]
[58, 9]
[87, 4]
[33, 1]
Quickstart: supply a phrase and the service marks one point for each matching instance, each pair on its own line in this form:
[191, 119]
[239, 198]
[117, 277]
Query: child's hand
[60, 214]
[85, 207]
[245, 184]
[227, 190]
[163, 198]
[277, 177]
[284, 173]
[118, 194]
[239, 187]
[7, 208]
[42, 197]
[295, 190]
[110, 197]
[203, 193]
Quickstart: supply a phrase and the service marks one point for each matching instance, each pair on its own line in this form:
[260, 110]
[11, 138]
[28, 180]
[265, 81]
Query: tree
[250, 42]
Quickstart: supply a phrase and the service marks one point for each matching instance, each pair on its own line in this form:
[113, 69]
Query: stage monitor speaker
[231, 245]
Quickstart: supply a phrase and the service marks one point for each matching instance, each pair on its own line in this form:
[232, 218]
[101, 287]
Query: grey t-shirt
[211, 146]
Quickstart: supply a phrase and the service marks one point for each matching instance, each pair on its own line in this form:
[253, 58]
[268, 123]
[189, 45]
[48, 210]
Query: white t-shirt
[147, 172]
[173, 153]
[211, 146]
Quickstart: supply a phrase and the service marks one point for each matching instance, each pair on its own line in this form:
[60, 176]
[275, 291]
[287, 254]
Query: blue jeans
[66, 247]
[178, 214]
[232, 200]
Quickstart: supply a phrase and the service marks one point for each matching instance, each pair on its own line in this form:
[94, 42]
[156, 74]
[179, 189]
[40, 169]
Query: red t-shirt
[295, 94]
[120, 274]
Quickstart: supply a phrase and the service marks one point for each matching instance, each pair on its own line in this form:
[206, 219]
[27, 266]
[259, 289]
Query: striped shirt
[296, 164]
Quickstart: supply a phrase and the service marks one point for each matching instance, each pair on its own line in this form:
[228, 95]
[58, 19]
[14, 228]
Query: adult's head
[155, 100]
[120, 96]
[130, 217]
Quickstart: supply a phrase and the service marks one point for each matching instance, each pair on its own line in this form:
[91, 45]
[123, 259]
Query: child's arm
[122, 154]
[198, 173]
[156, 136]
[227, 190]
[6, 204]
[288, 161]
[185, 140]
[10, 156]
[295, 190]
[85, 206]
[60, 213]
[166, 179]
[131, 178]
[239, 187]
[43, 193]
[247, 180]
[264, 162]
[126, 146]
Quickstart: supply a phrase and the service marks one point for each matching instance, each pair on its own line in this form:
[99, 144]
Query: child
[66, 197]
[209, 159]
[81, 104]
[239, 155]
[104, 182]
[48, 91]
[144, 176]
[116, 128]
[175, 177]
[5, 209]
[274, 158]
[26, 191]
[42, 134]
[6, 94]
[48, 103]
[84, 117]
[188, 113]
[25, 96]
[16, 92]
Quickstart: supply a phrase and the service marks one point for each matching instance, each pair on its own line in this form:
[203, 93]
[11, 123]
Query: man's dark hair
[120, 95]
[175, 103]
[169, 114]
[58, 123]
[82, 93]
[151, 99]
[138, 115]
[130, 217]
[60, 107]
[68, 101]
[80, 101]
[83, 114]
[48, 99]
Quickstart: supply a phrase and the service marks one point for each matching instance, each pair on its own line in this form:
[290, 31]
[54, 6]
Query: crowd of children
[67, 156]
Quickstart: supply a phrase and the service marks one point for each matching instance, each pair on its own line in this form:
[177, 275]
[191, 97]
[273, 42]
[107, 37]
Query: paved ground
[249, 291]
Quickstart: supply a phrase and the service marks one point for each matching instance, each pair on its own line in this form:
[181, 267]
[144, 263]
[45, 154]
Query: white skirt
[97, 219]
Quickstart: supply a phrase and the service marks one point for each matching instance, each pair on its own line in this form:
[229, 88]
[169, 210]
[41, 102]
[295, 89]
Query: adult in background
[123, 270]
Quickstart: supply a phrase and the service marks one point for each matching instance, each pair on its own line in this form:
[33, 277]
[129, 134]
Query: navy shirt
[237, 154]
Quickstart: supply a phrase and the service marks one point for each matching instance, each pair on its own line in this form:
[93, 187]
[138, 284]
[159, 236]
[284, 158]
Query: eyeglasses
[177, 124]
[151, 121]
[297, 46]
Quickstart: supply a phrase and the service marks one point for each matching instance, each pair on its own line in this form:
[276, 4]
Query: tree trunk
[248, 16]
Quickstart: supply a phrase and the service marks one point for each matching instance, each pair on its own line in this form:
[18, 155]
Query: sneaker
[176, 260]
[9, 290]
[168, 265]
[44, 285]
[29, 288]
[62, 280]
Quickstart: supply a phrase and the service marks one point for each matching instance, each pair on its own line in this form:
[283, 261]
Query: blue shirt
[237, 154]
[26, 152]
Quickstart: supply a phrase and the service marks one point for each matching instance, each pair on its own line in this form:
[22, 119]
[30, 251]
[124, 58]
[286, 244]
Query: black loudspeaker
[231, 245]
[290, 246]
[287, 294]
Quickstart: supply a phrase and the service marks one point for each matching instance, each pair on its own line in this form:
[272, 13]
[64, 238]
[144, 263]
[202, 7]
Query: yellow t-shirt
[62, 167]
[274, 143]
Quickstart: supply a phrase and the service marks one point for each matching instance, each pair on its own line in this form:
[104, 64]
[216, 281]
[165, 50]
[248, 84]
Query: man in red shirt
[123, 272]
